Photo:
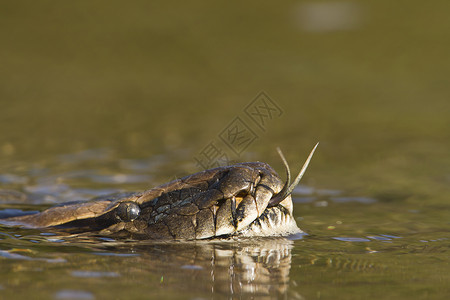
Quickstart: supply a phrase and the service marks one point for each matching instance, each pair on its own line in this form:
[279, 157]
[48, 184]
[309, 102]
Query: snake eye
[127, 211]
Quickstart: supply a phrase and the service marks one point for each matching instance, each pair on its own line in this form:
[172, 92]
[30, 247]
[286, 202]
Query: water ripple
[93, 274]
[73, 294]
[365, 200]
[351, 239]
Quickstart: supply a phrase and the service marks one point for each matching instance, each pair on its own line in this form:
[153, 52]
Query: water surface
[97, 98]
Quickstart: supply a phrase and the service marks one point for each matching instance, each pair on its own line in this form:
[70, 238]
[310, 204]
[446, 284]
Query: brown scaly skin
[219, 202]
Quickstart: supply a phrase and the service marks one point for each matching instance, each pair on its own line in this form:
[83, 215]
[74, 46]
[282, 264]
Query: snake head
[246, 199]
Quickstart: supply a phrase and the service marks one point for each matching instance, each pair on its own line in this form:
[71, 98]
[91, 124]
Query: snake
[242, 200]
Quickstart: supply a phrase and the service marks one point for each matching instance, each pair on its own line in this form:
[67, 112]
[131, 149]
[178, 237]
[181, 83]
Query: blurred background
[368, 79]
[102, 96]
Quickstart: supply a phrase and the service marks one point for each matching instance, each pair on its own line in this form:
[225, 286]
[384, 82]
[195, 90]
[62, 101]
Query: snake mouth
[276, 220]
[240, 216]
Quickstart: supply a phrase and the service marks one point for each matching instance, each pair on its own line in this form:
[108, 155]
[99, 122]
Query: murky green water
[99, 97]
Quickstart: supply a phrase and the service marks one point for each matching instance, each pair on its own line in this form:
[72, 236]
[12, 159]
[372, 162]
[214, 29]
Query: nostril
[258, 179]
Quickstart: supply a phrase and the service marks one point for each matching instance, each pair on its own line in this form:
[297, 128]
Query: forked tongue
[288, 187]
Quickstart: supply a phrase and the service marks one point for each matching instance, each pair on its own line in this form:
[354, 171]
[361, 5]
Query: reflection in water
[243, 268]
[207, 269]
[51, 266]
[73, 295]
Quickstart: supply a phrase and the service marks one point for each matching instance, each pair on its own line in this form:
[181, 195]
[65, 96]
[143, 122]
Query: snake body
[245, 199]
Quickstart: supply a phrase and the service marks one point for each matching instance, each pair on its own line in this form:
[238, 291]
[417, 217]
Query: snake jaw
[277, 218]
